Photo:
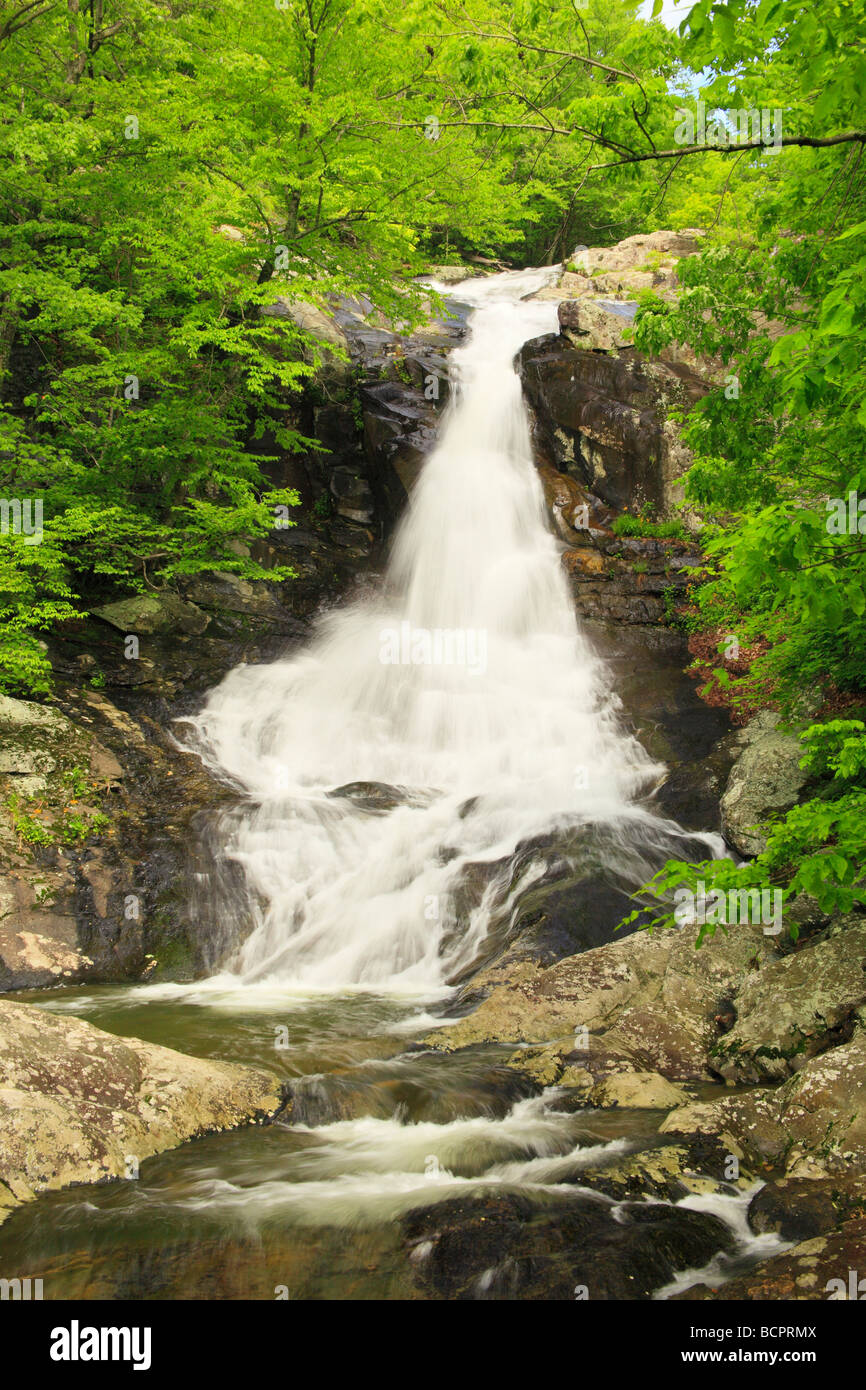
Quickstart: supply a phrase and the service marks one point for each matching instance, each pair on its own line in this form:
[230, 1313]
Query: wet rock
[794, 1008]
[400, 430]
[674, 725]
[546, 1066]
[765, 781]
[503, 1246]
[79, 1105]
[812, 1126]
[576, 511]
[824, 1267]
[647, 1002]
[352, 496]
[665, 1173]
[801, 1208]
[575, 903]
[402, 385]
[380, 796]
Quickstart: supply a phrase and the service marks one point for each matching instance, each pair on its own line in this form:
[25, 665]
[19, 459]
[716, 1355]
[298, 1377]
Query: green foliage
[778, 299]
[784, 431]
[818, 848]
[171, 172]
[628, 525]
[27, 827]
[168, 174]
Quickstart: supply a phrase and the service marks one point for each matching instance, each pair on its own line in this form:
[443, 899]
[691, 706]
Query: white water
[528, 735]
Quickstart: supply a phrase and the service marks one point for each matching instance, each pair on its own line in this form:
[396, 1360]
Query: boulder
[310, 319]
[643, 1003]
[590, 325]
[634, 250]
[637, 1090]
[792, 1009]
[801, 1208]
[154, 613]
[504, 1246]
[647, 261]
[814, 1125]
[451, 274]
[78, 1105]
[765, 781]
[21, 715]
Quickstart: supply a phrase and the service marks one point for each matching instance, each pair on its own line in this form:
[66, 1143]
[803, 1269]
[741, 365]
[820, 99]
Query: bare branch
[24, 16]
[810, 141]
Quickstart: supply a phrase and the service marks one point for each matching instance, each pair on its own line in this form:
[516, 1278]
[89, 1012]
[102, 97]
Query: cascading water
[465, 685]
[486, 766]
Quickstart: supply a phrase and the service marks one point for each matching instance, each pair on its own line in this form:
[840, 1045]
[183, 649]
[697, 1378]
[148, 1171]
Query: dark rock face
[599, 416]
[377, 418]
[602, 445]
[801, 1208]
[404, 387]
[121, 898]
[825, 1267]
[503, 1246]
[629, 579]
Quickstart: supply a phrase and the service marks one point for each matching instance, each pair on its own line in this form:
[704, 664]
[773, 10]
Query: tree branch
[811, 141]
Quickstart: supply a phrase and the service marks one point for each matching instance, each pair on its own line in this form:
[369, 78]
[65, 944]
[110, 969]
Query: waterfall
[463, 688]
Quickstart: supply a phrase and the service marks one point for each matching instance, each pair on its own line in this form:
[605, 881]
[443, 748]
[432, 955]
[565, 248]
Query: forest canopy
[170, 169]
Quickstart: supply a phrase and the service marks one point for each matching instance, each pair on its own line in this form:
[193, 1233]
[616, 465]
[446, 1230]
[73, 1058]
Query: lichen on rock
[79, 1105]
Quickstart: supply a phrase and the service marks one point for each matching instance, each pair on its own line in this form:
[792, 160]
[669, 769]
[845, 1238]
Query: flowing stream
[400, 783]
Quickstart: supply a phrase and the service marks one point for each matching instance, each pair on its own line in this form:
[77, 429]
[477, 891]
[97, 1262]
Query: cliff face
[600, 417]
[603, 446]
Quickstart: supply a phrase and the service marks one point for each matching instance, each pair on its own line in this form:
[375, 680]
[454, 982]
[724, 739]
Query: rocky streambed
[634, 1120]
